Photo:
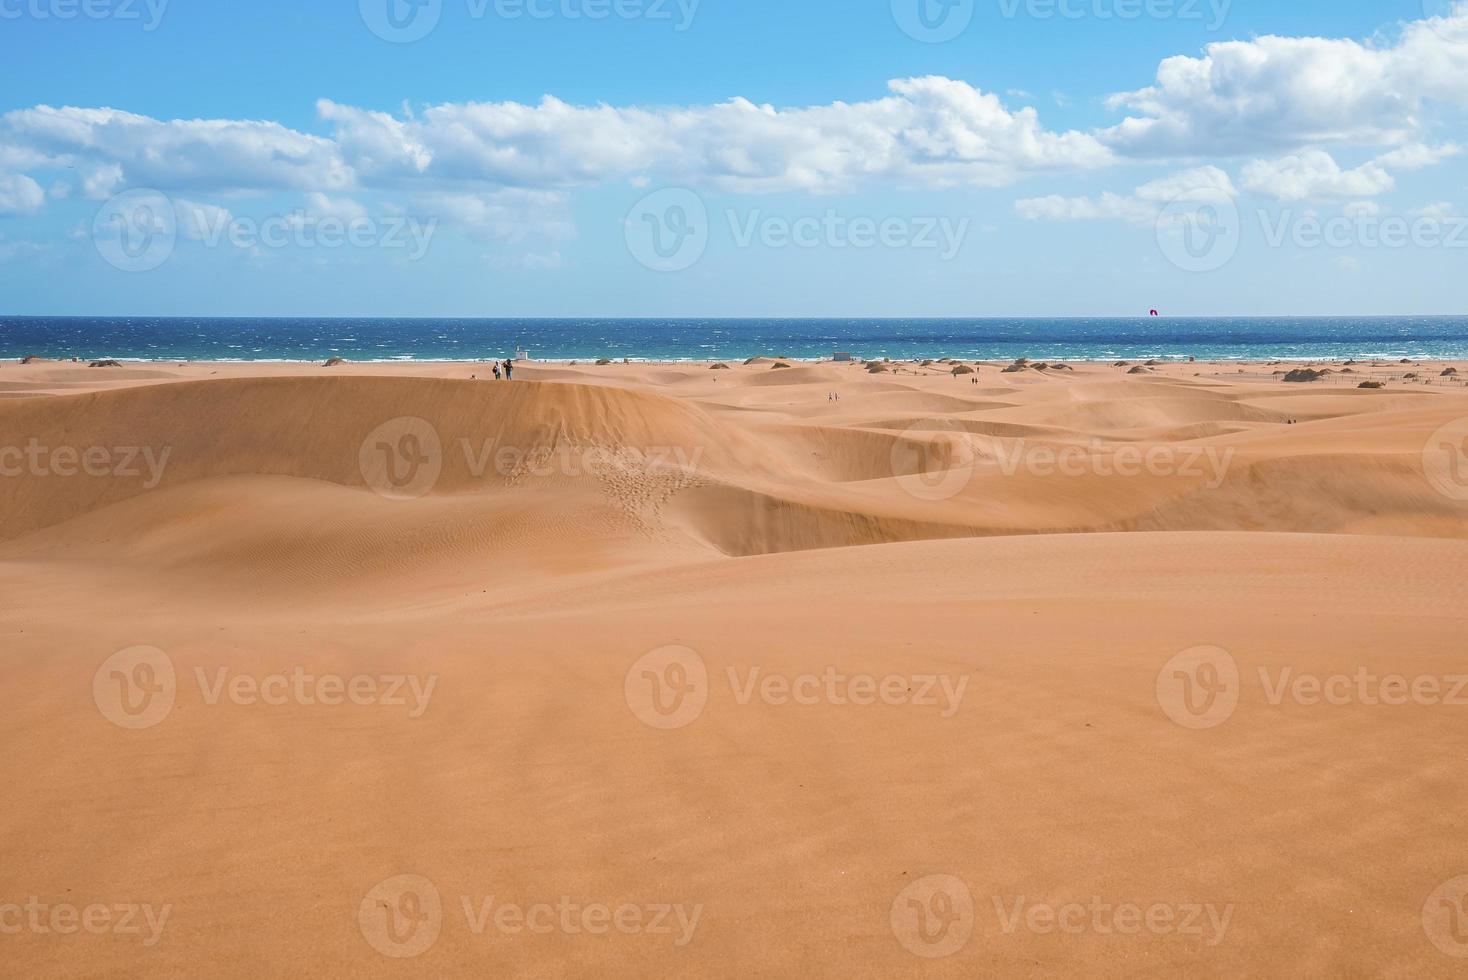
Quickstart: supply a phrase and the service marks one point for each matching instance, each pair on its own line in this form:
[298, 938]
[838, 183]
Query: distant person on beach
[509, 371]
[496, 370]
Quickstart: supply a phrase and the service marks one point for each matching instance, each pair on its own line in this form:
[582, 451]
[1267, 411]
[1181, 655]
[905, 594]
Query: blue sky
[723, 158]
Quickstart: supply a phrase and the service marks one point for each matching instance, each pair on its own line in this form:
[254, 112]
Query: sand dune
[1024, 557]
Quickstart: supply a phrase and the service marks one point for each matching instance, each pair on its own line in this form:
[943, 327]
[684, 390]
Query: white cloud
[508, 215]
[179, 154]
[1416, 156]
[928, 132]
[1284, 92]
[201, 222]
[1141, 207]
[20, 194]
[320, 206]
[102, 182]
[1312, 175]
[1439, 211]
[528, 262]
[503, 170]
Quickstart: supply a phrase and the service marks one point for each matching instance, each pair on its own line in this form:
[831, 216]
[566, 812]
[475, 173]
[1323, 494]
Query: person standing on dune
[509, 371]
[496, 370]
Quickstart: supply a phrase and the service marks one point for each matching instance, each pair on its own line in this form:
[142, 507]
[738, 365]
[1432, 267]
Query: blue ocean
[368, 339]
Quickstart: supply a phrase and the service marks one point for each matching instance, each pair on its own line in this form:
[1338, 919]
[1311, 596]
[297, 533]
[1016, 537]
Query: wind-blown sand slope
[914, 529]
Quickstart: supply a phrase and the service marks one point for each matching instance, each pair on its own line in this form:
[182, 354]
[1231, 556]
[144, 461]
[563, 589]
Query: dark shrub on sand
[1372, 384]
[1304, 374]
